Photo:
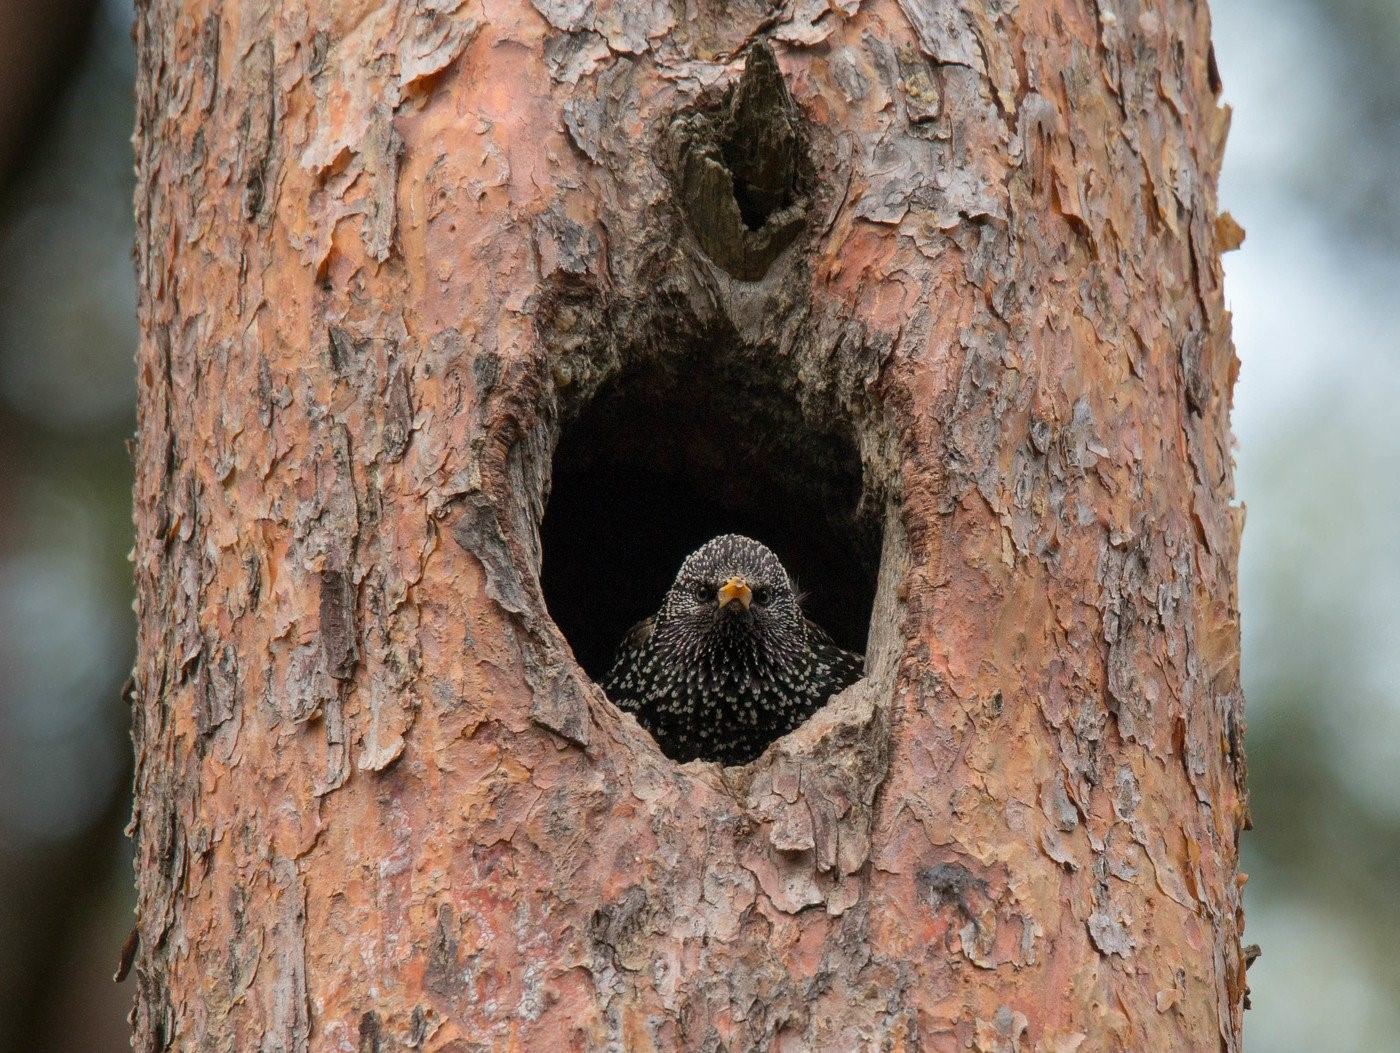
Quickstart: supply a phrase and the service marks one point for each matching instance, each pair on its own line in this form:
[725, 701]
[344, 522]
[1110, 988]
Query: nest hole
[744, 177]
[671, 454]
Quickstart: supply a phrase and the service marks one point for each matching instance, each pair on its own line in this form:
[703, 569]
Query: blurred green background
[1313, 173]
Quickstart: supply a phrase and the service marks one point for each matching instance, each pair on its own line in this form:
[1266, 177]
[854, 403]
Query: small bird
[729, 663]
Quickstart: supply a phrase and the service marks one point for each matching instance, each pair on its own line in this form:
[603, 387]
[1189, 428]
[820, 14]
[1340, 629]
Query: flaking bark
[386, 252]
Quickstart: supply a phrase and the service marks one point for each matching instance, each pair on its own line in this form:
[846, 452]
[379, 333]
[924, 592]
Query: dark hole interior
[754, 209]
[671, 454]
[756, 202]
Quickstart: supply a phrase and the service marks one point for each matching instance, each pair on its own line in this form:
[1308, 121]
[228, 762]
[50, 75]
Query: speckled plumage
[717, 681]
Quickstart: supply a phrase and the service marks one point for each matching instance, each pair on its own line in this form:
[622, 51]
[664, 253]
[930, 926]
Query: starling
[729, 663]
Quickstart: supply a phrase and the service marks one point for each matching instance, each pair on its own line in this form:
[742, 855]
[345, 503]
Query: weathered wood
[741, 172]
[386, 252]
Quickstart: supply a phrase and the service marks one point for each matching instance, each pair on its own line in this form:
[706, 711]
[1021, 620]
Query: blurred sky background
[1312, 172]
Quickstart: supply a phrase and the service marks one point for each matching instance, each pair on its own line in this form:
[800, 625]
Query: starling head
[728, 664]
[731, 600]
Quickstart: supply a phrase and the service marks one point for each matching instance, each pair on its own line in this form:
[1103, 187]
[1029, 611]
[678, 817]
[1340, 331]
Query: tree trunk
[936, 295]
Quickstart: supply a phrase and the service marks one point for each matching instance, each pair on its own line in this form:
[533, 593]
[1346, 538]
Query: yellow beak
[735, 589]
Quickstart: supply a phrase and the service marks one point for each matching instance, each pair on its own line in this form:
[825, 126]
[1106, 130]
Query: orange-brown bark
[387, 250]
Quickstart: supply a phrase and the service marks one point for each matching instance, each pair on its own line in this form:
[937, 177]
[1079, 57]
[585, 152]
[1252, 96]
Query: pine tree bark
[386, 250]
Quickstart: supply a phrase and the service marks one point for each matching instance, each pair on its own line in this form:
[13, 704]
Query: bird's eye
[704, 592]
[761, 596]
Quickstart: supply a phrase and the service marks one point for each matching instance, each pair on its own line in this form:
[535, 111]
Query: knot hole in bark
[742, 170]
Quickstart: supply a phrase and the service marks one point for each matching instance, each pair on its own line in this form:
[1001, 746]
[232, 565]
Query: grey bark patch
[398, 416]
[570, 56]
[259, 130]
[443, 973]
[1126, 796]
[563, 245]
[627, 30]
[393, 707]
[219, 689]
[476, 527]
[808, 22]
[486, 372]
[289, 1023]
[320, 50]
[344, 349]
[308, 688]
[556, 701]
[583, 120]
[432, 42]
[371, 1029]
[616, 934]
[337, 754]
[1056, 805]
[380, 152]
[987, 390]
[1195, 376]
[209, 62]
[1109, 935]
[852, 81]
[945, 33]
[337, 606]
[417, 1027]
[570, 15]
[1005, 1032]
[951, 883]
[1134, 630]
